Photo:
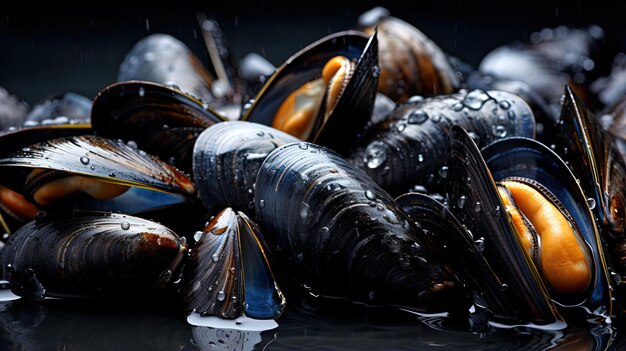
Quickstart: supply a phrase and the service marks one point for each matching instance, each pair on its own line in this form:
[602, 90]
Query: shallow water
[71, 325]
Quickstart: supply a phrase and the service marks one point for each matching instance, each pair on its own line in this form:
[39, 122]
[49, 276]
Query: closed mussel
[227, 158]
[409, 148]
[324, 93]
[228, 273]
[338, 234]
[410, 63]
[91, 254]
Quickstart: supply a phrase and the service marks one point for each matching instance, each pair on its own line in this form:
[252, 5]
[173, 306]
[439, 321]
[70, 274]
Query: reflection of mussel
[228, 273]
[163, 121]
[324, 93]
[226, 159]
[410, 63]
[90, 255]
[409, 147]
[338, 234]
[472, 193]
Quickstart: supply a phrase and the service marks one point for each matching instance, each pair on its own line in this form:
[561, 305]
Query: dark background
[78, 46]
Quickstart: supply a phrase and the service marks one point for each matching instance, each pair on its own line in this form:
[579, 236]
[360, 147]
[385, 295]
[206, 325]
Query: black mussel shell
[464, 254]
[354, 107]
[409, 147]
[410, 63]
[227, 158]
[337, 234]
[161, 120]
[61, 109]
[228, 273]
[90, 254]
[471, 186]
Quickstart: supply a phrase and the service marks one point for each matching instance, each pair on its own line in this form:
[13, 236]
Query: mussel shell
[63, 108]
[338, 234]
[530, 159]
[410, 63]
[354, 107]
[409, 147]
[463, 253]
[12, 110]
[226, 159]
[471, 186]
[90, 254]
[228, 273]
[92, 156]
[162, 121]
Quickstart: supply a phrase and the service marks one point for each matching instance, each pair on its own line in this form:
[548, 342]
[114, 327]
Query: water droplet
[305, 212]
[480, 244]
[125, 225]
[303, 146]
[221, 296]
[591, 203]
[418, 117]
[498, 131]
[375, 154]
[511, 114]
[415, 99]
[496, 211]
[443, 172]
[399, 127]
[370, 195]
[420, 158]
[457, 107]
[215, 257]
[142, 91]
[375, 71]
[477, 207]
[505, 105]
[461, 201]
[261, 203]
[475, 99]
[562, 100]
[84, 160]
[436, 118]
[197, 235]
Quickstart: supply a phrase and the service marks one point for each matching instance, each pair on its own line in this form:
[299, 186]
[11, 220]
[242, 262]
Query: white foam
[242, 323]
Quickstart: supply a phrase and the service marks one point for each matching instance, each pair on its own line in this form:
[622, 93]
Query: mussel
[228, 273]
[489, 213]
[337, 234]
[410, 63]
[409, 147]
[63, 108]
[12, 110]
[91, 255]
[226, 159]
[324, 93]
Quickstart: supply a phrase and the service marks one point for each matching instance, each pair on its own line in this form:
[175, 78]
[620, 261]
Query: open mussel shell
[410, 63]
[594, 159]
[228, 273]
[91, 156]
[354, 106]
[161, 120]
[337, 234]
[464, 254]
[472, 186]
[409, 147]
[227, 158]
[91, 254]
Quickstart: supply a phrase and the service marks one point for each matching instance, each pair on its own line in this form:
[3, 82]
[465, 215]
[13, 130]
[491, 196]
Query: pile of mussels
[370, 167]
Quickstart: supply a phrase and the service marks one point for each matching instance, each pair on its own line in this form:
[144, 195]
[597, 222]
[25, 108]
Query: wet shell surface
[338, 234]
[409, 148]
[90, 254]
[227, 158]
